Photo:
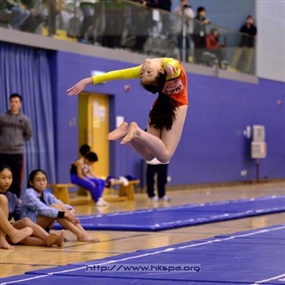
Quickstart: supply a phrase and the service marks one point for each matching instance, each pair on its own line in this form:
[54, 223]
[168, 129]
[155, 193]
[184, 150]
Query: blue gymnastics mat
[72, 280]
[229, 259]
[79, 280]
[183, 216]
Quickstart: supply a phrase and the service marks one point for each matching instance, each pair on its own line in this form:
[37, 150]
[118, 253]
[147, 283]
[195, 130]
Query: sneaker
[164, 199]
[101, 202]
[154, 199]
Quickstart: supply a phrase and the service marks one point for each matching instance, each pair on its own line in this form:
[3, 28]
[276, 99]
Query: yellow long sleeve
[173, 62]
[128, 73]
[133, 72]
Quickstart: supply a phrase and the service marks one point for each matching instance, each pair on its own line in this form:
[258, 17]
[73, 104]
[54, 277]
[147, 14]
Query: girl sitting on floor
[43, 208]
[23, 230]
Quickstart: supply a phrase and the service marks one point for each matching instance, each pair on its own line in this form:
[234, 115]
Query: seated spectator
[35, 18]
[212, 44]
[200, 33]
[81, 174]
[18, 12]
[83, 150]
[5, 14]
[43, 208]
[22, 230]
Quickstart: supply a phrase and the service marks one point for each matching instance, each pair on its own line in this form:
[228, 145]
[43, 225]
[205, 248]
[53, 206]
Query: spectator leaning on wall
[185, 16]
[200, 33]
[246, 45]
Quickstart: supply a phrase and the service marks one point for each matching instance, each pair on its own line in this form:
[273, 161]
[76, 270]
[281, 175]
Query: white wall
[271, 39]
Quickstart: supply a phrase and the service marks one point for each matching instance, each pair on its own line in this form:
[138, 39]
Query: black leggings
[161, 170]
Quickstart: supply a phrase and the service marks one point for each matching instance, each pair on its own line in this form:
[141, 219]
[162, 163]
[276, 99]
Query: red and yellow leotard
[175, 86]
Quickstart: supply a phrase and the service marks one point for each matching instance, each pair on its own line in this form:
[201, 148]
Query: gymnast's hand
[79, 86]
[72, 212]
[170, 70]
[71, 218]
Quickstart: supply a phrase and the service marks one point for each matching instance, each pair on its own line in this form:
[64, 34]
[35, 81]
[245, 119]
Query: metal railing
[119, 24]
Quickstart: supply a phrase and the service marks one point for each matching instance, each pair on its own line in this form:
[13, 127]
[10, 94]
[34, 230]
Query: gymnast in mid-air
[167, 77]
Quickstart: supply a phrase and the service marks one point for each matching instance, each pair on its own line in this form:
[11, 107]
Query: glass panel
[129, 25]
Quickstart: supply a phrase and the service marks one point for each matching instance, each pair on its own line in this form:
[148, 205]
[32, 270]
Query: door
[94, 128]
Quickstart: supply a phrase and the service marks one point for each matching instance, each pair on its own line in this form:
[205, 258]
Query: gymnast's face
[5, 180]
[39, 182]
[150, 70]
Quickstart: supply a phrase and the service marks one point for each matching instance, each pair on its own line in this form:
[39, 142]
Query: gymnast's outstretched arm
[128, 73]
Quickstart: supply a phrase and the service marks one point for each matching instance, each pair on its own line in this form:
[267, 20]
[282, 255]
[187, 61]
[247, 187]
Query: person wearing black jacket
[199, 35]
[246, 45]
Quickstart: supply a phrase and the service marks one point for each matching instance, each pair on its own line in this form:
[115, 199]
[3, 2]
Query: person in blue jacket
[43, 208]
[22, 230]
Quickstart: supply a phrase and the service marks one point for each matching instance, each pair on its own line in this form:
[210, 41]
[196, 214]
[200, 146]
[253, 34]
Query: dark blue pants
[161, 171]
[94, 185]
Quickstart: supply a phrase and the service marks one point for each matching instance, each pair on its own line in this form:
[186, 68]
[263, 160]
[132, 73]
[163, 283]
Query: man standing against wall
[15, 130]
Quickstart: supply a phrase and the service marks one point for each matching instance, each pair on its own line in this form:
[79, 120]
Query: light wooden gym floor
[25, 258]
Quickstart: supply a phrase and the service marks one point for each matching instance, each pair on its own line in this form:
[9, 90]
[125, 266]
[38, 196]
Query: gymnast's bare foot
[60, 239]
[132, 133]
[118, 133]
[51, 239]
[19, 235]
[4, 244]
[87, 238]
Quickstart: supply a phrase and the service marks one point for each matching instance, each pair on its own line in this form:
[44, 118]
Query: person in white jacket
[184, 29]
